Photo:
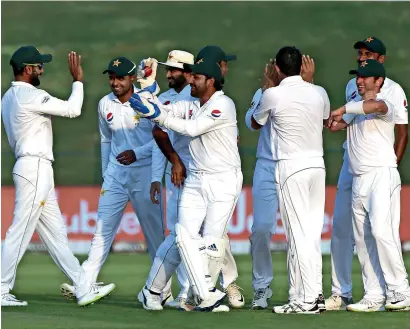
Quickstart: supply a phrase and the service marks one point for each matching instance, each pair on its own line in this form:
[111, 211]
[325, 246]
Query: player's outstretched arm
[47, 104]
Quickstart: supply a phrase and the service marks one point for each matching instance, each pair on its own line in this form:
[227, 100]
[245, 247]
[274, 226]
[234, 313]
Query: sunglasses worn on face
[40, 66]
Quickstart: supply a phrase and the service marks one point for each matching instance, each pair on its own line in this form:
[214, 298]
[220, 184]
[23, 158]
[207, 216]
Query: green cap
[207, 67]
[27, 55]
[121, 66]
[370, 68]
[216, 53]
[373, 44]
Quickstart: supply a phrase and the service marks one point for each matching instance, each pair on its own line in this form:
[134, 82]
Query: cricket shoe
[166, 297]
[150, 301]
[398, 301]
[177, 303]
[190, 305]
[97, 291]
[235, 297]
[260, 298]
[68, 291]
[297, 308]
[321, 303]
[367, 305]
[214, 300]
[8, 299]
[337, 303]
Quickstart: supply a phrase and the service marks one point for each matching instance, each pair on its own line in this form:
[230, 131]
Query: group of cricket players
[189, 134]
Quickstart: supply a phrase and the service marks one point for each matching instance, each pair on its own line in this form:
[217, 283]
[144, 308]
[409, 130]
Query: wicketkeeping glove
[148, 82]
[145, 108]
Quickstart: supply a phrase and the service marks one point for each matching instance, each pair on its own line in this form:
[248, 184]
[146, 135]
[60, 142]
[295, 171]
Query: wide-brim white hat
[177, 59]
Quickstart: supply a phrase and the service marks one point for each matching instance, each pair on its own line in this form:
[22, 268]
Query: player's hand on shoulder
[154, 191]
[74, 65]
[369, 95]
[308, 68]
[126, 157]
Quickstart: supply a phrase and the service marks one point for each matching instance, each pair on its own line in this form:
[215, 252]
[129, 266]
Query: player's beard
[35, 80]
[176, 83]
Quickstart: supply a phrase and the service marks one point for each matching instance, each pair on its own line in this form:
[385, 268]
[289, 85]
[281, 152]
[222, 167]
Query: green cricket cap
[29, 55]
[373, 44]
[215, 53]
[121, 66]
[207, 67]
[370, 68]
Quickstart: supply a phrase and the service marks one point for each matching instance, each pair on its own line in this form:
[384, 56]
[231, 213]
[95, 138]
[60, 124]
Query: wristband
[355, 108]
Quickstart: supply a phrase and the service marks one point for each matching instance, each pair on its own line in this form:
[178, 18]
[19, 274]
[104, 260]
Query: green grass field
[38, 281]
[254, 31]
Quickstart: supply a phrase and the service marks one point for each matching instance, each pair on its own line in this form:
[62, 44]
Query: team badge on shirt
[216, 113]
[110, 116]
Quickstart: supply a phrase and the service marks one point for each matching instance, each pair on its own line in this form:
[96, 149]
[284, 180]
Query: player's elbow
[74, 112]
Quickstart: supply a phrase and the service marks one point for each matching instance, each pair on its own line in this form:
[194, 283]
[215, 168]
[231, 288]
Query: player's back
[298, 110]
[29, 133]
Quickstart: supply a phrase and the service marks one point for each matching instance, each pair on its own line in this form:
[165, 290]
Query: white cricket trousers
[265, 206]
[342, 240]
[376, 214]
[207, 200]
[229, 272]
[36, 208]
[300, 186]
[123, 184]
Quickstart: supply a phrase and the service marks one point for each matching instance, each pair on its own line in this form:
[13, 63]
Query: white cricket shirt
[123, 130]
[370, 140]
[213, 131]
[27, 111]
[297, 110]
[267, 136]
[392, 91]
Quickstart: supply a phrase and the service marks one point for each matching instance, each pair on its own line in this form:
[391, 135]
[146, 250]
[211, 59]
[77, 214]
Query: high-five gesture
[74, 65]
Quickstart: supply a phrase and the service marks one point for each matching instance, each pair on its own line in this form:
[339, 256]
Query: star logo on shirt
[116, 63]
[363, 64]
[369, 39]
[136, 117]
[42, 203]
[102, 192]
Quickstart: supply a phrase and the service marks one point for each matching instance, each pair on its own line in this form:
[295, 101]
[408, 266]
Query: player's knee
[262, 229]
[379, 232]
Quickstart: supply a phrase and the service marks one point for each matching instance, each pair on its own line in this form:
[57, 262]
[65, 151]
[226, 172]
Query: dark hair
[289, 60]
[218, 85]
[17, 70]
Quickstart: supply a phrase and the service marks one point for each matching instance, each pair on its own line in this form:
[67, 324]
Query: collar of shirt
[289, 80]
[186, 91]
[22, 83]
[114, 98]
[216, 94]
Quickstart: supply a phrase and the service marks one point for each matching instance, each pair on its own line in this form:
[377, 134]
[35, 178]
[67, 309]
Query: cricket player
[297, 110]
[229, 271]
[26, 112]
[342, 246]
[213, 184]
[375, 190]
[265, 202]
[126, 149]
[178, 78]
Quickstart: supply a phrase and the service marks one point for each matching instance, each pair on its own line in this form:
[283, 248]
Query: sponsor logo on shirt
[190, 113]
[167, 102]
[216, 113]
[405, 103]
[110, 116]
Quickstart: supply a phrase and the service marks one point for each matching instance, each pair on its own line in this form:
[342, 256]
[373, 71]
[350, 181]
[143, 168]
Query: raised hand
[74, 65]
[308, 68]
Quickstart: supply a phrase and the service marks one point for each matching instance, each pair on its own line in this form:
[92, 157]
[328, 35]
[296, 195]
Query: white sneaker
[178, 302]
[166, 297]
[220, 309]
[366, 305]
[67, 291]
[96, 292]
[260, 298]
[235, 297]
[297, 308]
[11, 300]
[337, 303]
[215, 299]
[398, 301]
[150, 301]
